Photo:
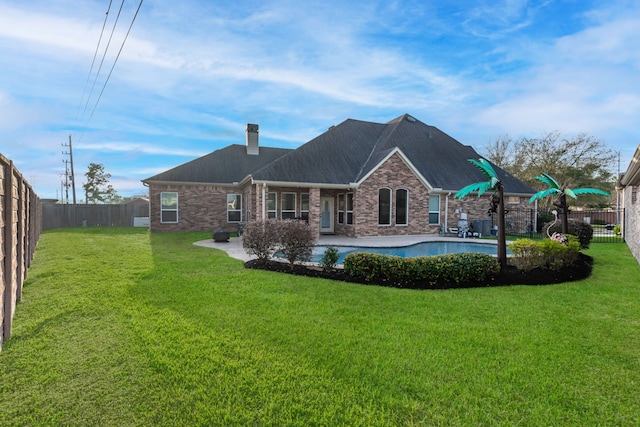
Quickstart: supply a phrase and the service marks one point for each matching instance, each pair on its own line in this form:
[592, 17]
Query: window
[272, 206]
[340, 208]
[304, 206]
[402, 207]
[169, 207]
[288, 205]
[384, 206]
[434, 209]
[234, 207]
[349, 208]
[513, 199]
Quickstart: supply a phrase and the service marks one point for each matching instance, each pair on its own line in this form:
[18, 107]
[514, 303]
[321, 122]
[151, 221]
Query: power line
[112, 66]
[104, 55]
[116, 60]
[95, 54]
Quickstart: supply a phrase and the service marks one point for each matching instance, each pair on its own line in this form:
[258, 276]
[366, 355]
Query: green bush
[433, 270]
[545, 254]
[330, 258]
[616, 229]
[583, 231]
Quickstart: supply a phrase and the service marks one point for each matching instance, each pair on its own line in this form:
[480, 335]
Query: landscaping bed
[509, 276]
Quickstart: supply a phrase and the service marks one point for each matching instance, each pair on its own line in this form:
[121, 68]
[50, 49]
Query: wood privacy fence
[63, 216]
[20, 226]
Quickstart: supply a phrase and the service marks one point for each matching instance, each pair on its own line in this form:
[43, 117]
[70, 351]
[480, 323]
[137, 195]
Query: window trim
[380, 211]
[348, 200]
[272, 213]
[237, 209]
[163, 209]
[284, 211]
[304, 213]
[342, 208]
[434, 212]
[406, 207]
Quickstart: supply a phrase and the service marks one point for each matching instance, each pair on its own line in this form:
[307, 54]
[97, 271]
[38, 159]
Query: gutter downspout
[264, 200]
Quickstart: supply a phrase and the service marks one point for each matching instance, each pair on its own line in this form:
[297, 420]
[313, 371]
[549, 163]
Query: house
[628, 192]
[356, 179]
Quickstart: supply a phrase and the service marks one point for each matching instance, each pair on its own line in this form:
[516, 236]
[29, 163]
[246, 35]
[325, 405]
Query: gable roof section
[228, 165]
[349, 152]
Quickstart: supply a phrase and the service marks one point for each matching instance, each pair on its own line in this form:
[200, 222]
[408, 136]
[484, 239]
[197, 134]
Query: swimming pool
[418, 249]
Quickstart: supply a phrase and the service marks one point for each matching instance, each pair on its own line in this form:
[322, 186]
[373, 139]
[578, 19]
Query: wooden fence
[63, 216]
[20, 226]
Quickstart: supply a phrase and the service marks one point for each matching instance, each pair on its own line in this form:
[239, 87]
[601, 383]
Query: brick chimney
[252, 140]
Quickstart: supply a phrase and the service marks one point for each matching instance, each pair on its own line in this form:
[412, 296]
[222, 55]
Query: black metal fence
[526, 223]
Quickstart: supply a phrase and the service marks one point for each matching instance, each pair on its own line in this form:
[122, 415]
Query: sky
[190, 74]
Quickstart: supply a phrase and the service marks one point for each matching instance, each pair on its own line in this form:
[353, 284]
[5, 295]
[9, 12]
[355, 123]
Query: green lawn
[118, 327]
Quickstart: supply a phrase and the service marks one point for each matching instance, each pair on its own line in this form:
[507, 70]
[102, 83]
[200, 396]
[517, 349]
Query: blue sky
[192, 74]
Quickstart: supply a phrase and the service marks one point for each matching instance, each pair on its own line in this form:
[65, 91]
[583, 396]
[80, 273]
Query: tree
[581, 161]
[497, 202]
[97, 188]
[562, 192]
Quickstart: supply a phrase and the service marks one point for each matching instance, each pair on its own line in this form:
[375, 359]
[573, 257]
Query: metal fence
[20, 226]
[528, 223]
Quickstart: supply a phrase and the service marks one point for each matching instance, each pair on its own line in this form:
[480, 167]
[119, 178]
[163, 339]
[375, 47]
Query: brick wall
[393, 174]
[631, 223]
[200, 207]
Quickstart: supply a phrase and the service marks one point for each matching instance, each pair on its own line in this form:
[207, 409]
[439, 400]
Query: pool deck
[235, 250]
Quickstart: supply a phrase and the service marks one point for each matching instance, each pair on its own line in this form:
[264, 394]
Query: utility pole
[66, 179]
[73, 176]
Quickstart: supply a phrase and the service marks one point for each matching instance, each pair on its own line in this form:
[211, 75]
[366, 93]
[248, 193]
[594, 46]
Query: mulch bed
[509, 276]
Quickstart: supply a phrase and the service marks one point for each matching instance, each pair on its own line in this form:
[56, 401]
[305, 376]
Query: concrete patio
[235, 250]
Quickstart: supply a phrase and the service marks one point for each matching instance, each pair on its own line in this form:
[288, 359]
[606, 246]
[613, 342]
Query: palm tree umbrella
[493, 183]
[556, 189]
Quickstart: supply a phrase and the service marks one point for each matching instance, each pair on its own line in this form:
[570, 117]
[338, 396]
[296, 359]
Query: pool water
[418, 249]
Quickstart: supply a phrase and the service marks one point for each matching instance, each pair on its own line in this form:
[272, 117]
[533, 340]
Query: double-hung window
[234, 207]
[434, 209]
[384, 206]
[349, 208]
[288, 205]
[272, 206]
[341, 208]
[168, 207]
[304, 206]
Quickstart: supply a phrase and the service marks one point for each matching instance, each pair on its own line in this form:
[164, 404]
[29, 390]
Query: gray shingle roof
[225, 166]
[344, 155]
[347, 152]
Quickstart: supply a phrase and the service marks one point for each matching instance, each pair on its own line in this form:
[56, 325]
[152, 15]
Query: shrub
[583, 231]
[330, 258]
[546, 254]
[434, 270]
[296, 240]
[260, 238]
[616, 229]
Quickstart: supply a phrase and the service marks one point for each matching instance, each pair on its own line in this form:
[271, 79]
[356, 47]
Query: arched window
[384, 206]
[402, 207]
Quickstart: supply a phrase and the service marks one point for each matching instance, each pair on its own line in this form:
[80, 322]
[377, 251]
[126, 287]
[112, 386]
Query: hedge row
[435, 270]
[545, 254]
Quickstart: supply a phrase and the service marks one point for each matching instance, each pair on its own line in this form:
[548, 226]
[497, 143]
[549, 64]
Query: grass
[119, 327]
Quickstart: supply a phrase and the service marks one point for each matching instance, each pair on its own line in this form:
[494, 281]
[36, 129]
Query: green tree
[555, 189]
[97, 188]
[581, 161]
[497, 202]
